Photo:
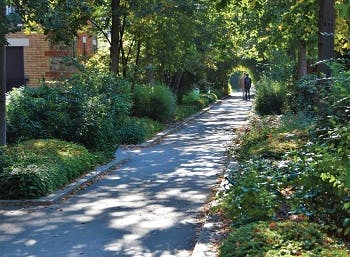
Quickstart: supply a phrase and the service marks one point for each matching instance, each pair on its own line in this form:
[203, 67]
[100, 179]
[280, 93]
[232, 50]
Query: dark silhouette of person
[247, 86]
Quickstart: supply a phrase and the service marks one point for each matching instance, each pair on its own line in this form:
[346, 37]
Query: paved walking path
[149, 206]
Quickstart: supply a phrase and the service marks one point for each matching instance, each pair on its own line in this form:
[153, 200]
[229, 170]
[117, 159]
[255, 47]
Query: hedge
[35, 168]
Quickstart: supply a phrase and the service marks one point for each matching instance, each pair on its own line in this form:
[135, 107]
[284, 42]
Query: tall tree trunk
[121, 46]
[137, 60]
[2, 79]
[115, 46]
[302, 60]
[178, 81]
[126, 57]
[326, 35]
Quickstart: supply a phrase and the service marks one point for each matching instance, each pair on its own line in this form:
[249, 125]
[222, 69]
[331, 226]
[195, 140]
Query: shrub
[141, 100]
[163, 104]
[132, 132]
[40, 112]
[269, 96]
[156, 102]
[314, 170]
[303, 96]
[105, 105]
[184, 111]
[198, 100]
[37, 167]
[150, 126]
[281, 239]
[137, 130]
[253, 195]
[87, 108]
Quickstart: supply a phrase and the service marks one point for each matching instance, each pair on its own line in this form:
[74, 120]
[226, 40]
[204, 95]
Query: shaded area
[148, 207]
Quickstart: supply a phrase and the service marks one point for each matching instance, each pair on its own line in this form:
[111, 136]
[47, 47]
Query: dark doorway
[14, 67]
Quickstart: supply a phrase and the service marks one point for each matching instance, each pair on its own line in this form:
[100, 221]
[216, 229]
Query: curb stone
[120, 157]
[213, 230]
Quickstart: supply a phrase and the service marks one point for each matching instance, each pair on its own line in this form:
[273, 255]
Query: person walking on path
[241, 83]
[247, 86]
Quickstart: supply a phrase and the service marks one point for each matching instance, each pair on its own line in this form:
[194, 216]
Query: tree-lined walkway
[148, 207]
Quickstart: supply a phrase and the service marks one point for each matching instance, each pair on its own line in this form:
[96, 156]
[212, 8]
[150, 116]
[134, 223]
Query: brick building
[31, 58]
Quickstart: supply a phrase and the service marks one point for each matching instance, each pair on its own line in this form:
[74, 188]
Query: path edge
[60, 194]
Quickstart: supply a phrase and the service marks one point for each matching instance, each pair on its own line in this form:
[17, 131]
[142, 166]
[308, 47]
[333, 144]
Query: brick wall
[43, 59]
[35, 61]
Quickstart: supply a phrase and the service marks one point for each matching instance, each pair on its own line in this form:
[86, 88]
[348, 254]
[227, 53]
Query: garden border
[92, 176]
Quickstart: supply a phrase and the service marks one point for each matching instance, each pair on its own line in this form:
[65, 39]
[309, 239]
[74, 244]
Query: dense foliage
[154, 101]
[289, 238]
[198, 100]
[88, 108]
[270, 97]
[296, 166]
[92, 108]
[35, 168]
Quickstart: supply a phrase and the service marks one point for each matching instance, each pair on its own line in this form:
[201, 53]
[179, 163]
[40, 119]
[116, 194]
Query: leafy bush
[320, 190]
[162, 103]
[184, 111]
[150, 126]
[132, 132]
[325, 161]
[313, 173]
[270, 96]
[281, 239]
[105, 105]
[137, 130]
[38, 167]
[191, 97]
[141, 100]
[303, 96]
[252, 196]
[198, 100]
[39, 113]
[87, 108]
[156, 102]
[209, 98]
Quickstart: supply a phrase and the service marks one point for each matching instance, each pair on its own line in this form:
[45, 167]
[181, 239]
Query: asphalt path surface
[149, 206]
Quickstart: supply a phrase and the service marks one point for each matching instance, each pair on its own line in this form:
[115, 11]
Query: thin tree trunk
[115, 49]
[137, 60]
[302, 60]
[126, 57]
[2, 79]
[178, 81]
[121, 46]
[326, 35]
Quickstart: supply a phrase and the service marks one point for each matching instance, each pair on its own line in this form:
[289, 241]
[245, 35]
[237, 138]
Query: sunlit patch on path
[148, 207]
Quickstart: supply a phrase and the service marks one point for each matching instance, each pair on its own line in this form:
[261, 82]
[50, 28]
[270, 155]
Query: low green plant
[136, 130]
[315, 165]
[162, 104]
[154, 101]
[191, 97]
[269, 97]
[37, 167]
[288, 238]
[184, 111]
[131, 132]
[198, 100]
[253, 194]
[150, 126]
[320, 190]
